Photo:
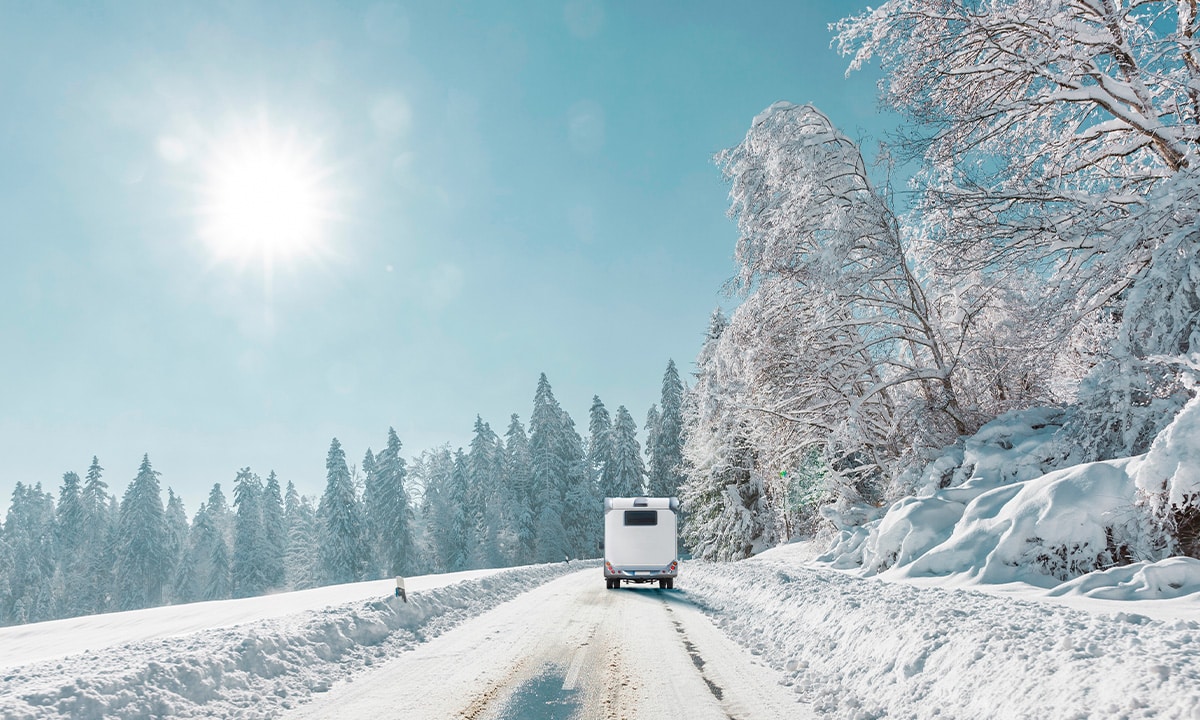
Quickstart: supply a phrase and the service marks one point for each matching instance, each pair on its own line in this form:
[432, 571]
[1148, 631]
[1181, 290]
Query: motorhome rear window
[641, 517]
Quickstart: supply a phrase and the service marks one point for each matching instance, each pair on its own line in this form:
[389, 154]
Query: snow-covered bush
[1169, 480]
[1013, 449]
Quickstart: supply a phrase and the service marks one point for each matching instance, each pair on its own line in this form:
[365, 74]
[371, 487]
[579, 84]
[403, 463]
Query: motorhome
[640, 541]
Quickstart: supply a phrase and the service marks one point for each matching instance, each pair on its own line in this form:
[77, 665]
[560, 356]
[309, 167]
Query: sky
[232, 231]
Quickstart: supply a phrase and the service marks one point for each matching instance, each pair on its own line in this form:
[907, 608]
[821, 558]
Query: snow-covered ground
[858, 647]
[250, 658]
[815, 642]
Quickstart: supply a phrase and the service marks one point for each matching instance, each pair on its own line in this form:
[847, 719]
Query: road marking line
[573, 671]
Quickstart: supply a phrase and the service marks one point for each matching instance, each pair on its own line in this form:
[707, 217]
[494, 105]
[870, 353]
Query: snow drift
[252, 670]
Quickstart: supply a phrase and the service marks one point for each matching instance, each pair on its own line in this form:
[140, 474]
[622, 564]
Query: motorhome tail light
[608, 566]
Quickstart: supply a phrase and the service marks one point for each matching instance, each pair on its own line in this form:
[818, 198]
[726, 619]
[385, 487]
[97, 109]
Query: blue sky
[504, 189]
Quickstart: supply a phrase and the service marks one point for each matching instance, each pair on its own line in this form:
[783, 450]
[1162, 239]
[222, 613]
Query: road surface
[571, 649]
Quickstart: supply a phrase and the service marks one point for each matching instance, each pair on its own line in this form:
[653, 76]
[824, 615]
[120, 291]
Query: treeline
[1050, 257]
[525, 497]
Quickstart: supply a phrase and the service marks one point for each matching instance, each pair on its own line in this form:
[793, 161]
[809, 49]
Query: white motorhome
[640, 541]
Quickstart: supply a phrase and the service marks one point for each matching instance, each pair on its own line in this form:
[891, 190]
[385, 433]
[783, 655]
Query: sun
[264, 198]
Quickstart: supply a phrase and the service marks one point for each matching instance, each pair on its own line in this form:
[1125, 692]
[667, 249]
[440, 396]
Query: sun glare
[264, 200]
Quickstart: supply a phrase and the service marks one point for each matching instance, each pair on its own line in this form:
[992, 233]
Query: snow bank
[1016, 446]
[1041, 531]
[1008, 516]
[253, 670]
[864, 648]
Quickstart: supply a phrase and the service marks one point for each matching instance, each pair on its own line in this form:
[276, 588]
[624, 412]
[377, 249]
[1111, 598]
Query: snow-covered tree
[250, 546]
[371, 508]
[342, 549]
[301, 560]
[1061, 138]
[518, 494]
[392, 515]
[845, 350]
[728, 511]
[448, 510]
[221, 514]
[69, 546]
[93, 595]
[274, 533]
[666, 457]
[208, 558]
[625, 475]
[653, 419]
[29, 541]
[209, 561]
[550, 461]
[485, 465]
[143, 562]
[177, 543]
[600, 445]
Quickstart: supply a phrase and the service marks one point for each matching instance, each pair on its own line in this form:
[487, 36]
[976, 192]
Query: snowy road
[570, 649]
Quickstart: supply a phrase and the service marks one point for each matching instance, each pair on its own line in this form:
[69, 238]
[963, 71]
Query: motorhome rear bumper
[642, 573]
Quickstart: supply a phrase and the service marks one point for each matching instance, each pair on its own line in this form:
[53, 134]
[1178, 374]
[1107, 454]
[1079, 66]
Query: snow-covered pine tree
[94, 594]
[6, 574]
[626, 476]
[274, 533]
[582, 503]
[372, 508]
[483, 491]
[69, 529]
[653, 420]
[219, 583]
[518, 484]
[550, 460]
[342, 549]
[301, 561]
[177, 544]
[394, 515]
[208, 560]
[29, 534]
[142, 548]
[444, 509]
[250, 548]
[221, 514]
[727, 511]
[600, 444]
[665, 474]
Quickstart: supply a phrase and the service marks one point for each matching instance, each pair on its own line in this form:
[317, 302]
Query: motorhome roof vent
[641, 502]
